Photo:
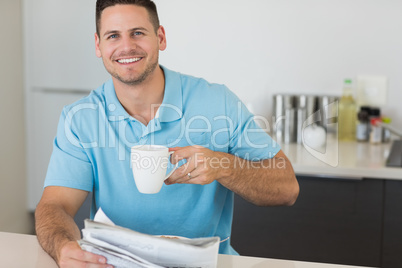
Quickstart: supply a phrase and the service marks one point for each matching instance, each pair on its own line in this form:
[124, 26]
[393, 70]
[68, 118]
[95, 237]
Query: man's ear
[97, 49]
[162, 38]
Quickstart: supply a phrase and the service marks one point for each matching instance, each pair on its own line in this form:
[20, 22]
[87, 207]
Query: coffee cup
[149, 164]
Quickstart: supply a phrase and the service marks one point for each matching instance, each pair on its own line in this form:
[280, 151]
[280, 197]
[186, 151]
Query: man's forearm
[54, 228]
[267, 182]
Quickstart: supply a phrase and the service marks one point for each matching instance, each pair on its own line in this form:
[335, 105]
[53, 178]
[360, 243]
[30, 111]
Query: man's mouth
[131, 60]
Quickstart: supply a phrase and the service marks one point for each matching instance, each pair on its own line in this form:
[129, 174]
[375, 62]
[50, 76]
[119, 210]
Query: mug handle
[175, 167]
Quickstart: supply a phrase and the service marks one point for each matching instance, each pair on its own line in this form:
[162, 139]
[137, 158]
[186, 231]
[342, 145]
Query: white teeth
[129, 60]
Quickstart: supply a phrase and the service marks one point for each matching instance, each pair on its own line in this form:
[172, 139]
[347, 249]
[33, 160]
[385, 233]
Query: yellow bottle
[347, 113]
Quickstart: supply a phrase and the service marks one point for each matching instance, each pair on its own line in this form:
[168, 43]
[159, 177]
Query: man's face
[128, 44]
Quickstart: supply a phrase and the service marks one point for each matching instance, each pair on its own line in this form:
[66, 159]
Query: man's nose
[128, 43]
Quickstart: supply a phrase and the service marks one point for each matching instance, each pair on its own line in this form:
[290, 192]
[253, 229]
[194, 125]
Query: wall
[262, 47]
[13, 209]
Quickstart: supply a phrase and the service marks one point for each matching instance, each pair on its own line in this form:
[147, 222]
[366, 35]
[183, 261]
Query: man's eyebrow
[138, 29]
[131, 30]
[110, 32]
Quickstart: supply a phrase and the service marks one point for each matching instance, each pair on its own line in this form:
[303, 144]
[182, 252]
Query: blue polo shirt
[91, 152]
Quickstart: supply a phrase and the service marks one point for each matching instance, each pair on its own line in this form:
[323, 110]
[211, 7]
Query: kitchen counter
[23, 251]
[348, 160]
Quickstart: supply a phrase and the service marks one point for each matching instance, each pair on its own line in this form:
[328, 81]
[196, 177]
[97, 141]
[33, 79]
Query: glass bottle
[347, 113]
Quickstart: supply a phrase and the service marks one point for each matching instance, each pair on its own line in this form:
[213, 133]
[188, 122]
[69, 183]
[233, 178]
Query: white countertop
[23, 251]
[349, 160]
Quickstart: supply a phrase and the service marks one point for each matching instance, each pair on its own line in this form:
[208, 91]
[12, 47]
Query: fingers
[79, 264]
[181, 153]
[188, 172]
[88, 257]
[189, 153]
[185, 173]
[71, 255]
[203, 165]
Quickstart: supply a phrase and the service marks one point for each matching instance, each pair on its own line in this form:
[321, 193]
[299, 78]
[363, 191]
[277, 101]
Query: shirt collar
[170, 110]
[172, 104]
[114, 109]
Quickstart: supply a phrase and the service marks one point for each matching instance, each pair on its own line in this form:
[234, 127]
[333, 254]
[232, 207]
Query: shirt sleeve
[69, 164]
[247, 140]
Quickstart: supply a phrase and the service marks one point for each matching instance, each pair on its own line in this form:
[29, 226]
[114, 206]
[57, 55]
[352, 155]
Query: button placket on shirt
[152, 127]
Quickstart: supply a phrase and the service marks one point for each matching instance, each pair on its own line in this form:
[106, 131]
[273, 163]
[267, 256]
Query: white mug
[149, 164]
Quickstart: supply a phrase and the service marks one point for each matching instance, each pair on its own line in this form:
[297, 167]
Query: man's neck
[143, 100]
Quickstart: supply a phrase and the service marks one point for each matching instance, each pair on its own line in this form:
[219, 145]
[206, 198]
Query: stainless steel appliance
[293, 112]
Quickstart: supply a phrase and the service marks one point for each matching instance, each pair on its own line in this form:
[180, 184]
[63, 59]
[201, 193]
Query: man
[144, 103]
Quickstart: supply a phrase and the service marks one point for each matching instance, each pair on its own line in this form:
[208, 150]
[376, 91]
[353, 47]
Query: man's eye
[112, 36]
[138, 33]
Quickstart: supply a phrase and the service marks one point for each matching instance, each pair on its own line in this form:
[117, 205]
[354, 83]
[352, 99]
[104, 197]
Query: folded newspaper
[127, 248]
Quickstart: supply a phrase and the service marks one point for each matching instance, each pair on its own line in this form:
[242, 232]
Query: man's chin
[131, 80]
[135, 79]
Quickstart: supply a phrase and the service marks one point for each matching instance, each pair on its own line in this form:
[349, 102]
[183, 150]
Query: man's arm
[56, 230]
[268, 182]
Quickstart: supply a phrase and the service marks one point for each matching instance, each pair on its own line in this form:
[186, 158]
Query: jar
[375, 131]
[362, 126]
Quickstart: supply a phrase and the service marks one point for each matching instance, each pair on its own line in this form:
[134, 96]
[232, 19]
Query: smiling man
[205, 125]
[129, 43]
[130, 55]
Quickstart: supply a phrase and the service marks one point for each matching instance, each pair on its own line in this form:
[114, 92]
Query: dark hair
[149, 5]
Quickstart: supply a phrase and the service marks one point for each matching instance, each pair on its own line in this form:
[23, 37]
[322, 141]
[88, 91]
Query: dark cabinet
[392, 237]
[333, 221]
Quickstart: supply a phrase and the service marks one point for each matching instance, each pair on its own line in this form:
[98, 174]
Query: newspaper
[127, 248]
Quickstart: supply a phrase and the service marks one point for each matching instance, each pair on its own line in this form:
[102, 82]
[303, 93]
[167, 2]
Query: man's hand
[57, 232]
[203, 165]
[71, 255]
[267, 182]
